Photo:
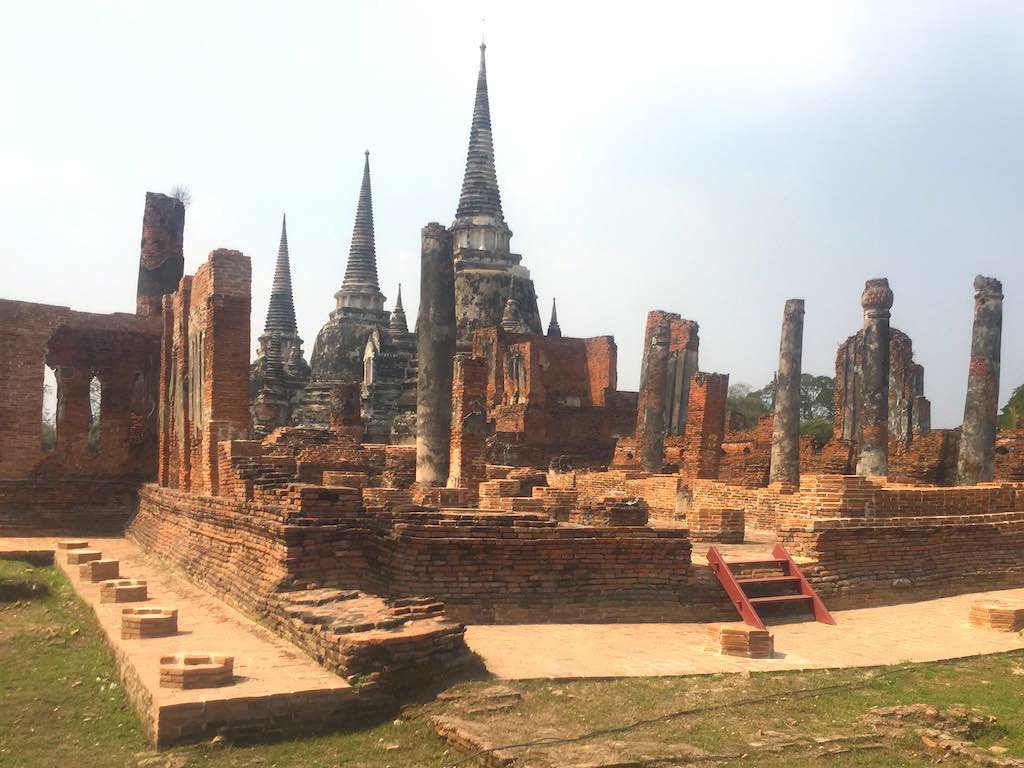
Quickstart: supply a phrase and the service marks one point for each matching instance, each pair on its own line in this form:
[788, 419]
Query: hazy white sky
[712, 159]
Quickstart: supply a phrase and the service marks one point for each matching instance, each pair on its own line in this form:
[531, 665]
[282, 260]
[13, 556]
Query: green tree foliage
[1012, 415]
[747, 402]
[817, 406]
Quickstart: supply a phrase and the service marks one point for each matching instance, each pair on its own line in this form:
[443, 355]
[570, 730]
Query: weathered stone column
[978, 436]
[161, 259]
[785, 466]
[650, 424]
[435, 345]
[874, 433]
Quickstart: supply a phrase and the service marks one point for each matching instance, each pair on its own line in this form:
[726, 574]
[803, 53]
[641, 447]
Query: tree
[747, 402]
[1012, 415]
[817, 404]
[182, 194]
[817, 398]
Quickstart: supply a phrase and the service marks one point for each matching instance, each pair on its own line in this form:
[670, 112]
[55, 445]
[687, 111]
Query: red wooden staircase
[772, 584]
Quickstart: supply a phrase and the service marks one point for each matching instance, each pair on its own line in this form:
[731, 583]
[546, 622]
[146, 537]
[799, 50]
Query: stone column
[785, 466]
[435, 345]
[874, 432]
[978, 436]
[650, 424]
[161, 259]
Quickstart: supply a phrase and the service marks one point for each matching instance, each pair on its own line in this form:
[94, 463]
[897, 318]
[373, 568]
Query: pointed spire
[553, 327]
[480, 195]
[398, 324]
[281, 314]
[361, 272]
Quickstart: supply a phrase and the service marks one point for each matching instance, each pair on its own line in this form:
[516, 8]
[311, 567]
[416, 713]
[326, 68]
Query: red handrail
[820, 611]
[733, 589]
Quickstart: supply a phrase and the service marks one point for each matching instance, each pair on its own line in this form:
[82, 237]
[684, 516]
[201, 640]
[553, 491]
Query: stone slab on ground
[925, 631]
[277, 689]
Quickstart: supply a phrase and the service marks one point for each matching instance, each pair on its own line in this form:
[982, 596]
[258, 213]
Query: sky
[710, 159]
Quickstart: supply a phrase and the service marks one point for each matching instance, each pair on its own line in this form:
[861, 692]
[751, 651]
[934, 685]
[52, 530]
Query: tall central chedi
[487, 273]
[339, 359]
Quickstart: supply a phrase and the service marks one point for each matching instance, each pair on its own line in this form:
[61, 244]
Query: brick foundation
[60, 507]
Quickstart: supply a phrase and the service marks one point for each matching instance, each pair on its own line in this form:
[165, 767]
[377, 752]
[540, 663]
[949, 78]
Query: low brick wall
[861, 563]
[56, 507]
[660, 492]
[511, 568]
[484, 566]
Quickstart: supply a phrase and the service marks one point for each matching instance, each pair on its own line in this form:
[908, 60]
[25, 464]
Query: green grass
[61, 704]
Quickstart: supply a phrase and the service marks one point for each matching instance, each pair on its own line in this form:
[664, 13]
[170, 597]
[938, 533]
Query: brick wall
[469, 423]
[701, 447]
[65, 507]
[120, 350]
[746, 455]
[867, 562]
[497, 566]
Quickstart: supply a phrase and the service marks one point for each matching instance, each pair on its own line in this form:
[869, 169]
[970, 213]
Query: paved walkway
[925, 631]
[274, 681]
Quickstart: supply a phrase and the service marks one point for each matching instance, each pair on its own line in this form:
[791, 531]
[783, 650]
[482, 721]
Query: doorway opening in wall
[49, 435]
[95, 406]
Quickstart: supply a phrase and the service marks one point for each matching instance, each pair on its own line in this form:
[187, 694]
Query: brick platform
[99, 570]
[1001, 615]
[72, 544]
[196, 670]
[738, 640]
[79, 556]
[716, 525]
[123, 591]
[277, 690]
[141, 623]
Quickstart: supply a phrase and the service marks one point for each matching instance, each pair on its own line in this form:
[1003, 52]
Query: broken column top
[793, 308]
[988, 286]
[877, 294]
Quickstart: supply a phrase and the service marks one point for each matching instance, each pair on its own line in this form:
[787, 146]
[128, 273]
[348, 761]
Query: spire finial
[398, 324]
[361, 271]
[281, 313]
[480, 194]
[553, 328]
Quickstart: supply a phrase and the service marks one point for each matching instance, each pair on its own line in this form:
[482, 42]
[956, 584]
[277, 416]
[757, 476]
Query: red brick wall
[701, 447]
[496, 567]
[746, 455]
[469, 423]
[205, 370]
[117, 348]
[565, 404]
[65, 507]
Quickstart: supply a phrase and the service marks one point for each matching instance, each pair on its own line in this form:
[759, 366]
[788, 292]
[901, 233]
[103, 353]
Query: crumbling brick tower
[486, 272]
[204, 371]
[162, 260]
[669, 363]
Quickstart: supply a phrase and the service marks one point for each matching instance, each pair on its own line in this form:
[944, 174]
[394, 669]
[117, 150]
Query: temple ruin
[366, 505]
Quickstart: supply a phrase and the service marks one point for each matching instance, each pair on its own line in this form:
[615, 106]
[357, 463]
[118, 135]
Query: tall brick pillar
[161, 259]
[874, 447]
[978, 436]
[469, 423]
[785, 464]
[650, 423]
[435, 346]
[218, 362]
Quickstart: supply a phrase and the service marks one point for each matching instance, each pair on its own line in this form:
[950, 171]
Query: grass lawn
[61, 704]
